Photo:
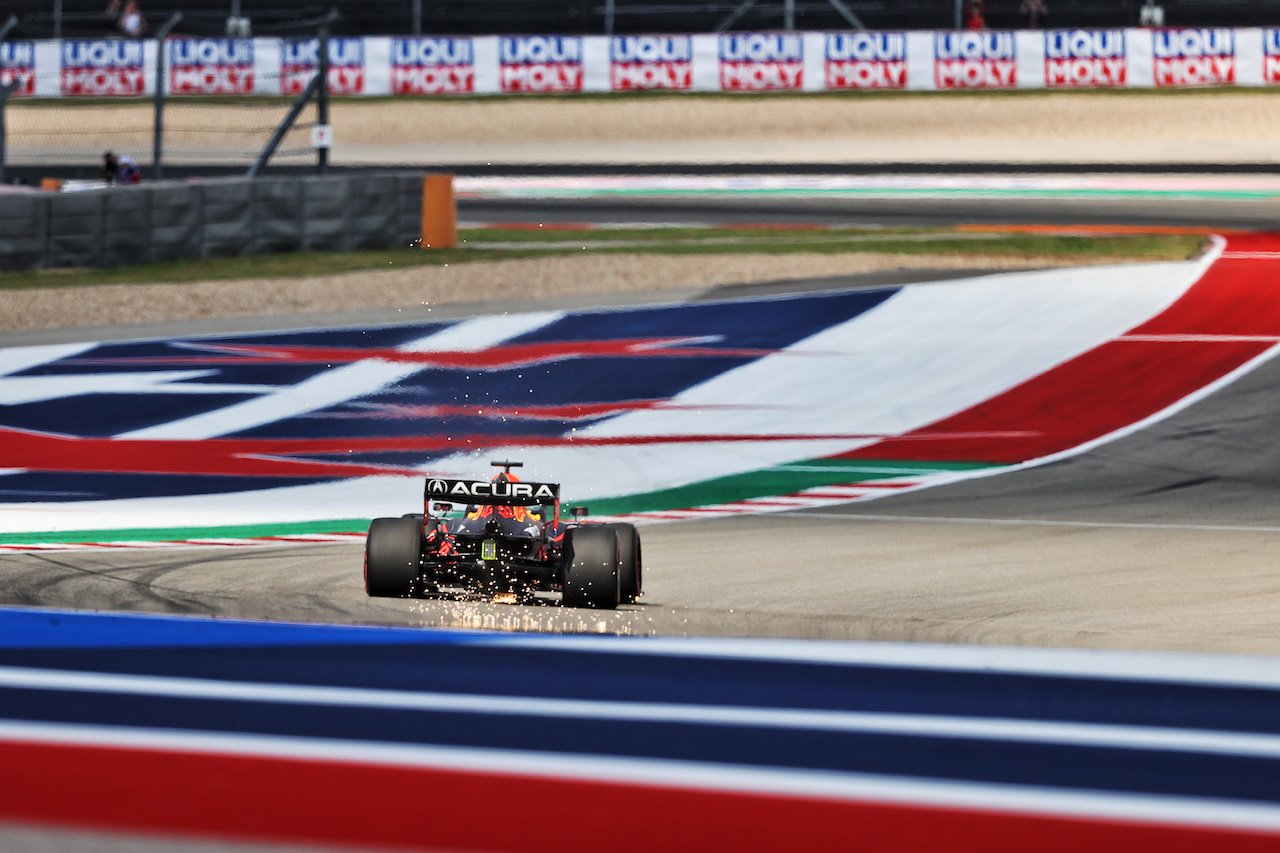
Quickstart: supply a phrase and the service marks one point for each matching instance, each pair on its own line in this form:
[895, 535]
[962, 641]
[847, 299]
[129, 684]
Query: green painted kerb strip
[768, 482]
[178, 534]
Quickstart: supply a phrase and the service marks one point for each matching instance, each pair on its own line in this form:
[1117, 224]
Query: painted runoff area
[1113, 187]
[433, 739]
[649, 413]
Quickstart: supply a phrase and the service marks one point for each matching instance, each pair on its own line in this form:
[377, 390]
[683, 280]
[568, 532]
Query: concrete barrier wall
[235, 216]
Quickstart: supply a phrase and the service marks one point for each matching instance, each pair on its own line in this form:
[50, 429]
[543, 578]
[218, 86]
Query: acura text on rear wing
[491, 492]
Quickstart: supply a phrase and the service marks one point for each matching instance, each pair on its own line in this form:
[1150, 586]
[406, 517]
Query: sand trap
[533, 278]
[1206, 126]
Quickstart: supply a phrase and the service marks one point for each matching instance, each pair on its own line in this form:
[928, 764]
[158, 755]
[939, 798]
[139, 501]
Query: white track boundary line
[1104, 735]
[1037, 522]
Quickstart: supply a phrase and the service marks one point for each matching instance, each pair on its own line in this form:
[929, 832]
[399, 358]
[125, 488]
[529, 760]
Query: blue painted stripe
[1168, 772]
[34, 628]
[516, 665]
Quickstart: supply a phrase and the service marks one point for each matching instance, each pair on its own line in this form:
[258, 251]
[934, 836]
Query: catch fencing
[173, 221]
[225, 96]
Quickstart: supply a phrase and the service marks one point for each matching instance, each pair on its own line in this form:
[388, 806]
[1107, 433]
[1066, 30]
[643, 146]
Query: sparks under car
[503, 538]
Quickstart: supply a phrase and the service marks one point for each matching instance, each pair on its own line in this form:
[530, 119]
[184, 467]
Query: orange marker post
[439, 213]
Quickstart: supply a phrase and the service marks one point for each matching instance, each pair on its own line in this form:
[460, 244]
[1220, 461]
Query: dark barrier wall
[84, 18]
[231, 216]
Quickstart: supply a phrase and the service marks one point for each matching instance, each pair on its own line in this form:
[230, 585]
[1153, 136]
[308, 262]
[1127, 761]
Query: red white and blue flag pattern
[414, 739]
[626, 407]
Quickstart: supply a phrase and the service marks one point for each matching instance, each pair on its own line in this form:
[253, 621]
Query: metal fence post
[322, 98]
[6, 90]
[157, 137]
[294, 111]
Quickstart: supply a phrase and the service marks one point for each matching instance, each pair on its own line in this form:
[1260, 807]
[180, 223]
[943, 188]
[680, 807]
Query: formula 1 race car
[507, 542]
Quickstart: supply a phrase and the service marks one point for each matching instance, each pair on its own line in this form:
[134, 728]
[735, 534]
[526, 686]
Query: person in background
[1033, 11]
[974, 16]
[128, 18]
[120, 169]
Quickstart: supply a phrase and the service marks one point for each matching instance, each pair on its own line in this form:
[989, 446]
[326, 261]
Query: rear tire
[591, 576]
[392, 557]
[630, 567]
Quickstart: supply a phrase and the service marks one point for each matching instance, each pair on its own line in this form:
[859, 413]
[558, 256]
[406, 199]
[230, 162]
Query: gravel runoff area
[525, 279]
[1219, 126]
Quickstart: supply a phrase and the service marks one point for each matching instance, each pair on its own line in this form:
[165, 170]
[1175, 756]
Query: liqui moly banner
[1194, 57]
[432, 66]
[866, 61]
[103, 68]
[1085, 58]
[650, 62]
[18, 62]
[732, 62]
[761, 61]
[1271, 56]
[300, 57]
[540, 64]
[975, 60]
[214, 66]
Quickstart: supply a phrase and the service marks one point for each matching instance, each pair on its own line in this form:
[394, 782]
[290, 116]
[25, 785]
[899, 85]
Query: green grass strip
[769, 482]
[674, 241]
[179, 534]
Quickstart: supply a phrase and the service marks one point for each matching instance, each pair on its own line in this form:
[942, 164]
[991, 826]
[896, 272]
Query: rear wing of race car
[494, 492]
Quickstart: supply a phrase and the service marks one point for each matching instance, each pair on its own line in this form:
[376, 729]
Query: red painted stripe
[1124, 380]
[1087, 229]
[265, 799]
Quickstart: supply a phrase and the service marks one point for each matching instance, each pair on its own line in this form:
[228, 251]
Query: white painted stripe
[925, 183]
[1244, 256]
[1215, 670]
[917, 725]
[22, 390]
[17, 359]
[347, 381]
[1043, 522]
[677, 775]
[796, 499]
[834, 491]
[1202, 339]
[866, 469]
[127, 543]
[178, 544]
